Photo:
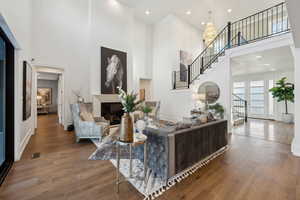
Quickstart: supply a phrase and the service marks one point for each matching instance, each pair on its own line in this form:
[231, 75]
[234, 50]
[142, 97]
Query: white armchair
[88, 129]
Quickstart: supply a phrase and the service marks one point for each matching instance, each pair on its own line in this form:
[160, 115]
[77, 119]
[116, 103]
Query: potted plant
[146, 110]
[218, 110]
[130, 104]
[284, 91]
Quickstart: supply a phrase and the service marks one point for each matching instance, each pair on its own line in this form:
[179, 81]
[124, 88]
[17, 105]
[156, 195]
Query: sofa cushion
[181, 125]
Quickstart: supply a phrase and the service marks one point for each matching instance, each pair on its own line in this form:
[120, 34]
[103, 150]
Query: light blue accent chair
[88, 129]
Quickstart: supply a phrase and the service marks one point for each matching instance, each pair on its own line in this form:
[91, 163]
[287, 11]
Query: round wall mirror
[208, 92]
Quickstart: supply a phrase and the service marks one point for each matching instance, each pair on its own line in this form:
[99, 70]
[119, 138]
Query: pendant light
[210, 31]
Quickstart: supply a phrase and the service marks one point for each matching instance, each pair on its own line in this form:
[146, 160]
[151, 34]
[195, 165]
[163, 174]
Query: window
[257, 97]
[239, 89]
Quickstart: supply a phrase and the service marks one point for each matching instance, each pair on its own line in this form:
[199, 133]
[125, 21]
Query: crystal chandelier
[210, 31]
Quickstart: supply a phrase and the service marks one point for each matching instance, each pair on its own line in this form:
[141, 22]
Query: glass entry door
[2, 102]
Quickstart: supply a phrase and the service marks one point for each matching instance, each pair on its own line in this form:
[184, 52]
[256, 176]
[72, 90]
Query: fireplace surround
[112, 111]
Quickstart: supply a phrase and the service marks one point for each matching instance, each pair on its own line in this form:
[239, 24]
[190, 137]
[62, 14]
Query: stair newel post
[189, 76]
[246, 111]
[174, 80]
[239, 38]
[229, 35]
[202, 65]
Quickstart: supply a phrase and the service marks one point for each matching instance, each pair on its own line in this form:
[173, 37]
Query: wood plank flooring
[252, 169]
[267, 130]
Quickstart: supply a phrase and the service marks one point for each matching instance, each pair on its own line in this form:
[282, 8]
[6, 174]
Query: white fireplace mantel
[103, 98]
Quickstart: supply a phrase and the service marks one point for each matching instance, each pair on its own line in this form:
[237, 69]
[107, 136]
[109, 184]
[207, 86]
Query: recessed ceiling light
[258, 57]
[147, 12]
[229, 10]
[188, 12]
[203, 23]
[266, 64]
[273, 69]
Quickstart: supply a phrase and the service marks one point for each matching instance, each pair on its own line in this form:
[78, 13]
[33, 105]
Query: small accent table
[139, 139]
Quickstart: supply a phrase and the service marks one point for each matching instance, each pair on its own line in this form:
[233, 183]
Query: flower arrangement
[129, 101]
[130, 104]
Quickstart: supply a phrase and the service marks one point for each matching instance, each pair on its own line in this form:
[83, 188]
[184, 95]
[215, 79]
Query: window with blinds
[257, 97]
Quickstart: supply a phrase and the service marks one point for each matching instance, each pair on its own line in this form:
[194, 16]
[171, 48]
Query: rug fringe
[181, 176]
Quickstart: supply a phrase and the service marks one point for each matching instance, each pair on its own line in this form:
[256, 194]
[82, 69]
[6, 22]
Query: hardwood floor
[252, 169]
[266, 129]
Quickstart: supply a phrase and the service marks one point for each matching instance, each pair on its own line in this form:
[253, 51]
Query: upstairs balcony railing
[264, 24]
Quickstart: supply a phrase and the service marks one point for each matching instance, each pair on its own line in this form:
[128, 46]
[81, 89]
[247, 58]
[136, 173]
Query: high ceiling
[198, 9]
[278, 59]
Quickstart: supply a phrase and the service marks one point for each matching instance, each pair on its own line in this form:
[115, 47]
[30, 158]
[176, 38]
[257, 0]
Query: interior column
[296, 140]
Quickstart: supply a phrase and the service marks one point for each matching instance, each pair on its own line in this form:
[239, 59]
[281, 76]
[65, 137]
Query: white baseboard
[24, 143]
[295, 149]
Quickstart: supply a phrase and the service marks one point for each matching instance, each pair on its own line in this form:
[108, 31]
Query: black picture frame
[27, 90]
[113, 70]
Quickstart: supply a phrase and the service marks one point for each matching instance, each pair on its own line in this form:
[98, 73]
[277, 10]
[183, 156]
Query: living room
[100, 46]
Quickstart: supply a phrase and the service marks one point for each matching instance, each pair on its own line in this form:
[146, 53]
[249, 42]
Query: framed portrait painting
[27, 90]
[113, 70]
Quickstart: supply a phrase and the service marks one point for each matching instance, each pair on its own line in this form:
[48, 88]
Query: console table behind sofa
[171, 152]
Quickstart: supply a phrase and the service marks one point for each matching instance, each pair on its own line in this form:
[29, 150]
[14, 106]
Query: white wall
[142, 51]
[296, 141]
[171, 35]
[116, 27]
[61, 39]
[279, 107]
[18, 15]
[220, 73]
[294, 15]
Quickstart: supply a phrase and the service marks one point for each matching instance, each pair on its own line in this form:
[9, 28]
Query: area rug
[153, 187]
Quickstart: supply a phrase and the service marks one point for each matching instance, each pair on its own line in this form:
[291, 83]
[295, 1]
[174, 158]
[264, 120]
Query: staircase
[239, 110]
[262, 25]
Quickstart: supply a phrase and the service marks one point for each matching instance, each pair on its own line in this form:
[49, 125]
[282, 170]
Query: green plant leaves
[283, 91]
[129, 101]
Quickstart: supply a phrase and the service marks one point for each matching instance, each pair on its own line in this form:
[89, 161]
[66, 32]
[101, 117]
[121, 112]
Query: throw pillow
[86, 116]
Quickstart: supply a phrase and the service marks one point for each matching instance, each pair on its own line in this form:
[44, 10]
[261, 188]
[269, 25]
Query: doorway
[253, 75]
[6, 106]
[49, 94]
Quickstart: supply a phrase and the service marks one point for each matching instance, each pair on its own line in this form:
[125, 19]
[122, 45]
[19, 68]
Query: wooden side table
[139, 139]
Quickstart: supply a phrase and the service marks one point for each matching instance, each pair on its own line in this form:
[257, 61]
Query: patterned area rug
[108, 152]
[153, 186]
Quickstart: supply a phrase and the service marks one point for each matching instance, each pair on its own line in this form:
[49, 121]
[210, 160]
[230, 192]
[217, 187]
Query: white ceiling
[278, 59]
[199, 9]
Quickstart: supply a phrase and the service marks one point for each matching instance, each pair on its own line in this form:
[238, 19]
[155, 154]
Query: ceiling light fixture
[203, 23]
[147, 12]
[188, 12]
[258, 57]
[210, 31]
[229, 10]
[267, 64]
